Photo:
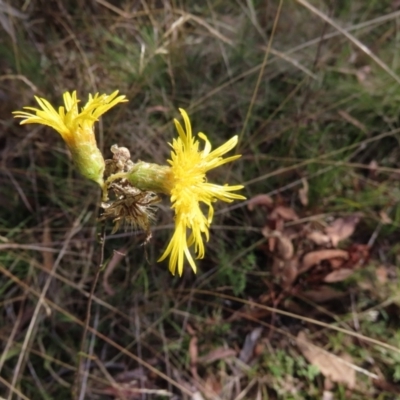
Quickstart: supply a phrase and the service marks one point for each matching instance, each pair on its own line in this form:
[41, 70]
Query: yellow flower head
[188, 188]
[75, 127]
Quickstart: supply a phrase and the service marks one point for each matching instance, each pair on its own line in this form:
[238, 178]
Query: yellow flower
[76, 128]
[187, 184]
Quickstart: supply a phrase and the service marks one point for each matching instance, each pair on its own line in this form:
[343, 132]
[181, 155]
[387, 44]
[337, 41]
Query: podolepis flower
[187, 184]
[76, 127]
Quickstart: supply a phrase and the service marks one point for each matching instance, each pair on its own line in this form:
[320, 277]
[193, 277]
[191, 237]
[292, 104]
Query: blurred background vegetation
[313, 91]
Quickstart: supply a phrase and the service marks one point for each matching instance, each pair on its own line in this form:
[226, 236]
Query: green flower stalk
[76, 128]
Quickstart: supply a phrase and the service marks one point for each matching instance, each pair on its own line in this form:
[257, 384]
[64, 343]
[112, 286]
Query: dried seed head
[130, 207]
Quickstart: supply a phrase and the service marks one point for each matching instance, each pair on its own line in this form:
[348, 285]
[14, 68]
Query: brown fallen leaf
[217, 354]
[212, 386]
[335, 368]
[315, 257]
[336, 263]
[338, 275]
[289, 272]
[246, 353]
[286, 213]
[271, 236]
[285, 247]
[260, 200]
[373, 168]
[322, 294]
[382, 274]
[303, 192]
[385, 219]
[342, 228]
[319, 238]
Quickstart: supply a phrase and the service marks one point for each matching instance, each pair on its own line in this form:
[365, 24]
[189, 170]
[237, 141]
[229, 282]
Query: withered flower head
[126, 204]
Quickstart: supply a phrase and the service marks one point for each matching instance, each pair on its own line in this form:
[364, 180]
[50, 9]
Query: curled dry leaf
[338, 275]
[285, 271]
[303, 192]
[342, 228]
[212, 386]
[385, 219]
[271, 236]
[335, 368]
[285, 247]
[319, 238]
[260, 200]
[217, 354]
[289, 272]
[250, 342]
[322, 294]
[382, 274]
[373, 168]
[277, 267]
[315, 257]
[286, 213]
[279, 242]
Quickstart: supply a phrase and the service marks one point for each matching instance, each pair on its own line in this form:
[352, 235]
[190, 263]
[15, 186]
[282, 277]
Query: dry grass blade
[32, 325]
[352, 39]
[111, 342]
[305, 319]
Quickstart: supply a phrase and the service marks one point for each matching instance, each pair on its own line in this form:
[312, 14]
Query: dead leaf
[338, 275]
[322, 294]
[358, 255]
[382, 274]
[289, 272]
[267, 232]
[260, 200]
[315, 257]
[373, 168]
[217, 354]
[277, 267]
[283, 212]
[385, 219]
[363, 75]
[303, 192]
[319, 238]
[336, 263]
[212, 386]
[327, 395]
[335, 368]
[250, 342]
[271, 236]
[342, 228]
[386, 386]
[285, 247]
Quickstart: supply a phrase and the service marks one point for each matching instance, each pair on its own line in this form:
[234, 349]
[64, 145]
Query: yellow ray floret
[188, 188]
[75, 127]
